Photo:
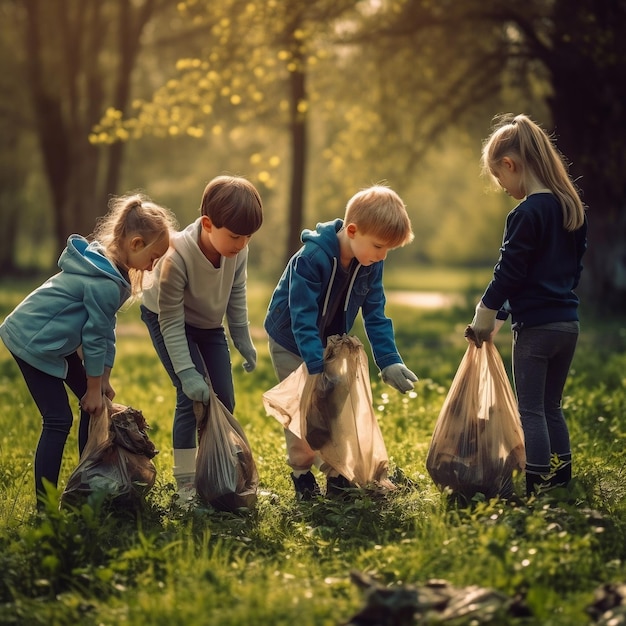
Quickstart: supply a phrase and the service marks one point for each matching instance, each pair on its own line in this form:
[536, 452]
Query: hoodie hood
[325, 236]
[75, 308]
[88, 259]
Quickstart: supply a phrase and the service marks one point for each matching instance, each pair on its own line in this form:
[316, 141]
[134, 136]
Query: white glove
[195, 386]
[482, 325]
[399, 377]
[243, 342]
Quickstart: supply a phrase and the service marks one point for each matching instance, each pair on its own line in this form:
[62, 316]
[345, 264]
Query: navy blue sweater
[539, 266]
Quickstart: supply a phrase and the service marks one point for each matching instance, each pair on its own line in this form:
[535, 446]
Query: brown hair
[521, 139]
[233, 202]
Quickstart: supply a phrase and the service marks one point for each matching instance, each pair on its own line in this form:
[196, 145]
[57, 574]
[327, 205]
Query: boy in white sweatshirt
[200, 280]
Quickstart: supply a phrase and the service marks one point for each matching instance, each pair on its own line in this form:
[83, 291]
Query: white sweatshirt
[187, 288]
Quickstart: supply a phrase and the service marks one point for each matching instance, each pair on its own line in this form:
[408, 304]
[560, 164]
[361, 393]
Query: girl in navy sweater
[534, 279]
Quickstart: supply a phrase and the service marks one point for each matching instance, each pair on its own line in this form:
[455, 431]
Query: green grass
[286, 563]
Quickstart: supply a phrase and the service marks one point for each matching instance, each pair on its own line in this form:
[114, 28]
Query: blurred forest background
[311, 100]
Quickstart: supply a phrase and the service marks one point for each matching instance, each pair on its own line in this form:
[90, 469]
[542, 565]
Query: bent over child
[201, 280]
[74, 312]
[337, 272]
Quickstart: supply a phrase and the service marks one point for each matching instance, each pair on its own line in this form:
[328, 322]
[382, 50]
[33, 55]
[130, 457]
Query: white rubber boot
[185, 475]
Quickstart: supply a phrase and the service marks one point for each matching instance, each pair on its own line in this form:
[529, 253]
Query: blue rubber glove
[399, 377]
[243, 342]
[195, 386]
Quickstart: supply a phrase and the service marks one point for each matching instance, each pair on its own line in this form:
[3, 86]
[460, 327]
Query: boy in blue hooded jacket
[338, 271]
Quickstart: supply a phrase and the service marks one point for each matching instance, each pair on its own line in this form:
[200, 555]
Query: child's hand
[482, 326]
[92, 402]
[399, 377]
[195, 386]
[107, 390]
[243, 342]
[249, 355]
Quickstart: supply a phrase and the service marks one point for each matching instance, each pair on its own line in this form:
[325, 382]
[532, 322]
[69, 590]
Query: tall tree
[13, 170]
[252, 70]
[79, 58]
[398, 75]
[561, 57]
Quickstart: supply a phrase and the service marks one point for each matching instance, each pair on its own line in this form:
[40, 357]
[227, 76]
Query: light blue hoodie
[76, 307]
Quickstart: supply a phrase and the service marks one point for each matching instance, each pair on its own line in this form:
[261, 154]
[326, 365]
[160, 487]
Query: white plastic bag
[226, 474]
[353, 445]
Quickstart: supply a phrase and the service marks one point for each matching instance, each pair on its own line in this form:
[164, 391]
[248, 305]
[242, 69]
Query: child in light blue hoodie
[63, 333]
[337, 273]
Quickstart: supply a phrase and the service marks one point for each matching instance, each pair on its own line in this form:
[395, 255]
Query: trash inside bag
[323, 399]
[117, 458]
[478, 440]
[334, 412]
[226, 474]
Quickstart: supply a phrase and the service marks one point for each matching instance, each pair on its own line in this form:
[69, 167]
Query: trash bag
[609, 605]
[334, 412]
[435, 602]
[226, 474]
[478, 440]
[117, 458]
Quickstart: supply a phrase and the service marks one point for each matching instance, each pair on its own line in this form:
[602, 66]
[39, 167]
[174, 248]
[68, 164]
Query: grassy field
[286, 563]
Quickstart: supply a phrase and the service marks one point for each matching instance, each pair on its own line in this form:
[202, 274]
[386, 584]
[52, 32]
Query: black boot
[533, 482]
[562, 476]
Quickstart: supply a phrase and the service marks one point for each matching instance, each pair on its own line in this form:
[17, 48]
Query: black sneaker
[306, 486]
[336, 486]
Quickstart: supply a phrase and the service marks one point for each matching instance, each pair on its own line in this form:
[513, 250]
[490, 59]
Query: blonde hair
[379, 211]
[521, 139]
[133, 215]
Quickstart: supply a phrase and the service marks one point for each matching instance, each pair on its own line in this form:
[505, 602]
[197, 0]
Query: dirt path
[424, 299]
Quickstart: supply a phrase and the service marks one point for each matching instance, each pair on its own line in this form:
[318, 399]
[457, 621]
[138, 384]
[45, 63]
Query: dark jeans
[541, 363]
[50, 396]
[208, 349]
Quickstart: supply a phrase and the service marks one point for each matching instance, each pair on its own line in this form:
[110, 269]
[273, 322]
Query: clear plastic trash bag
[478, 440]
[117, 458]
[226, 474]
[334, 412]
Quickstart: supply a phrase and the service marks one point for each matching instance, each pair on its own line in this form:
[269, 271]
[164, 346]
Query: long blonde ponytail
[523, 139]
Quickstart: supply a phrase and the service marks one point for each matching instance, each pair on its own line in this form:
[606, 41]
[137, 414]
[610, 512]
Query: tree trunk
[298, 130]
[589, 84]
[92, 57]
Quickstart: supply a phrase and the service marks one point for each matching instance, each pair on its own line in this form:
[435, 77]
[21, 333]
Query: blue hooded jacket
[301, 301]
[75, 307]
